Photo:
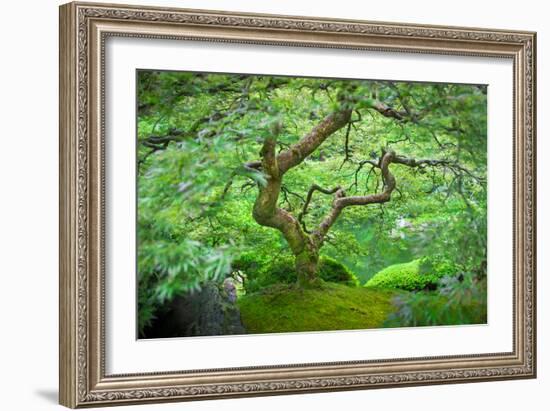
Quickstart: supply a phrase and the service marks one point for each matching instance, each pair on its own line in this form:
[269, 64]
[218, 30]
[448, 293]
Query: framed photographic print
[259, 204]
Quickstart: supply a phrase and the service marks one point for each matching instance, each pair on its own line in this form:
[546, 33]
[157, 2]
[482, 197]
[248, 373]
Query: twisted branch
[312, 189]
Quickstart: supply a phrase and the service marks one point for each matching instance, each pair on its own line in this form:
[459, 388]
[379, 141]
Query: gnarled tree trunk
[305, 244]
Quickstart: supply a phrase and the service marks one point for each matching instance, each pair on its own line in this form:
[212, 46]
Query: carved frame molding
[83, 30]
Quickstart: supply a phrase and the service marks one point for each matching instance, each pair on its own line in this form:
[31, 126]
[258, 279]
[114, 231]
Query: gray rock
[210, 311]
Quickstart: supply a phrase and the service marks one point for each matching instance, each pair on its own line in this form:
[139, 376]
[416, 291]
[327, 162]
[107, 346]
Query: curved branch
[384, 196]
[341, 201]
[346, 146]
[451, 165]
[312, 189]
[320, 233]
[265, 211]
[372, 163]
[299, 151]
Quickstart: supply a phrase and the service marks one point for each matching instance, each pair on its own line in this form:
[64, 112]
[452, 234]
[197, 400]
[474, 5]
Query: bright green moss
[334, 306]
[415, 275]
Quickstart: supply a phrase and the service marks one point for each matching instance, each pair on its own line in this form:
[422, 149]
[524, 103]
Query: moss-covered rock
[287, 308]
[419, 274]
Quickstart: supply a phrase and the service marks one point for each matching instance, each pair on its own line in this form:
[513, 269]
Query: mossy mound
[419, 274]
[282, 271]
[332, 306]
[336, 272]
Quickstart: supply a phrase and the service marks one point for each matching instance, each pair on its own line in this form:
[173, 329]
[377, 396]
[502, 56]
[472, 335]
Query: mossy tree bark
[304, 246]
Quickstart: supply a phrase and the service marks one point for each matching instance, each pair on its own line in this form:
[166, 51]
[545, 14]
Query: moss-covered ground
[330, 307]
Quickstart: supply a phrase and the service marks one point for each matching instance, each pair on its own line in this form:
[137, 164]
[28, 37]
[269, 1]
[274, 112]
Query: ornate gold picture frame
[84, 30]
